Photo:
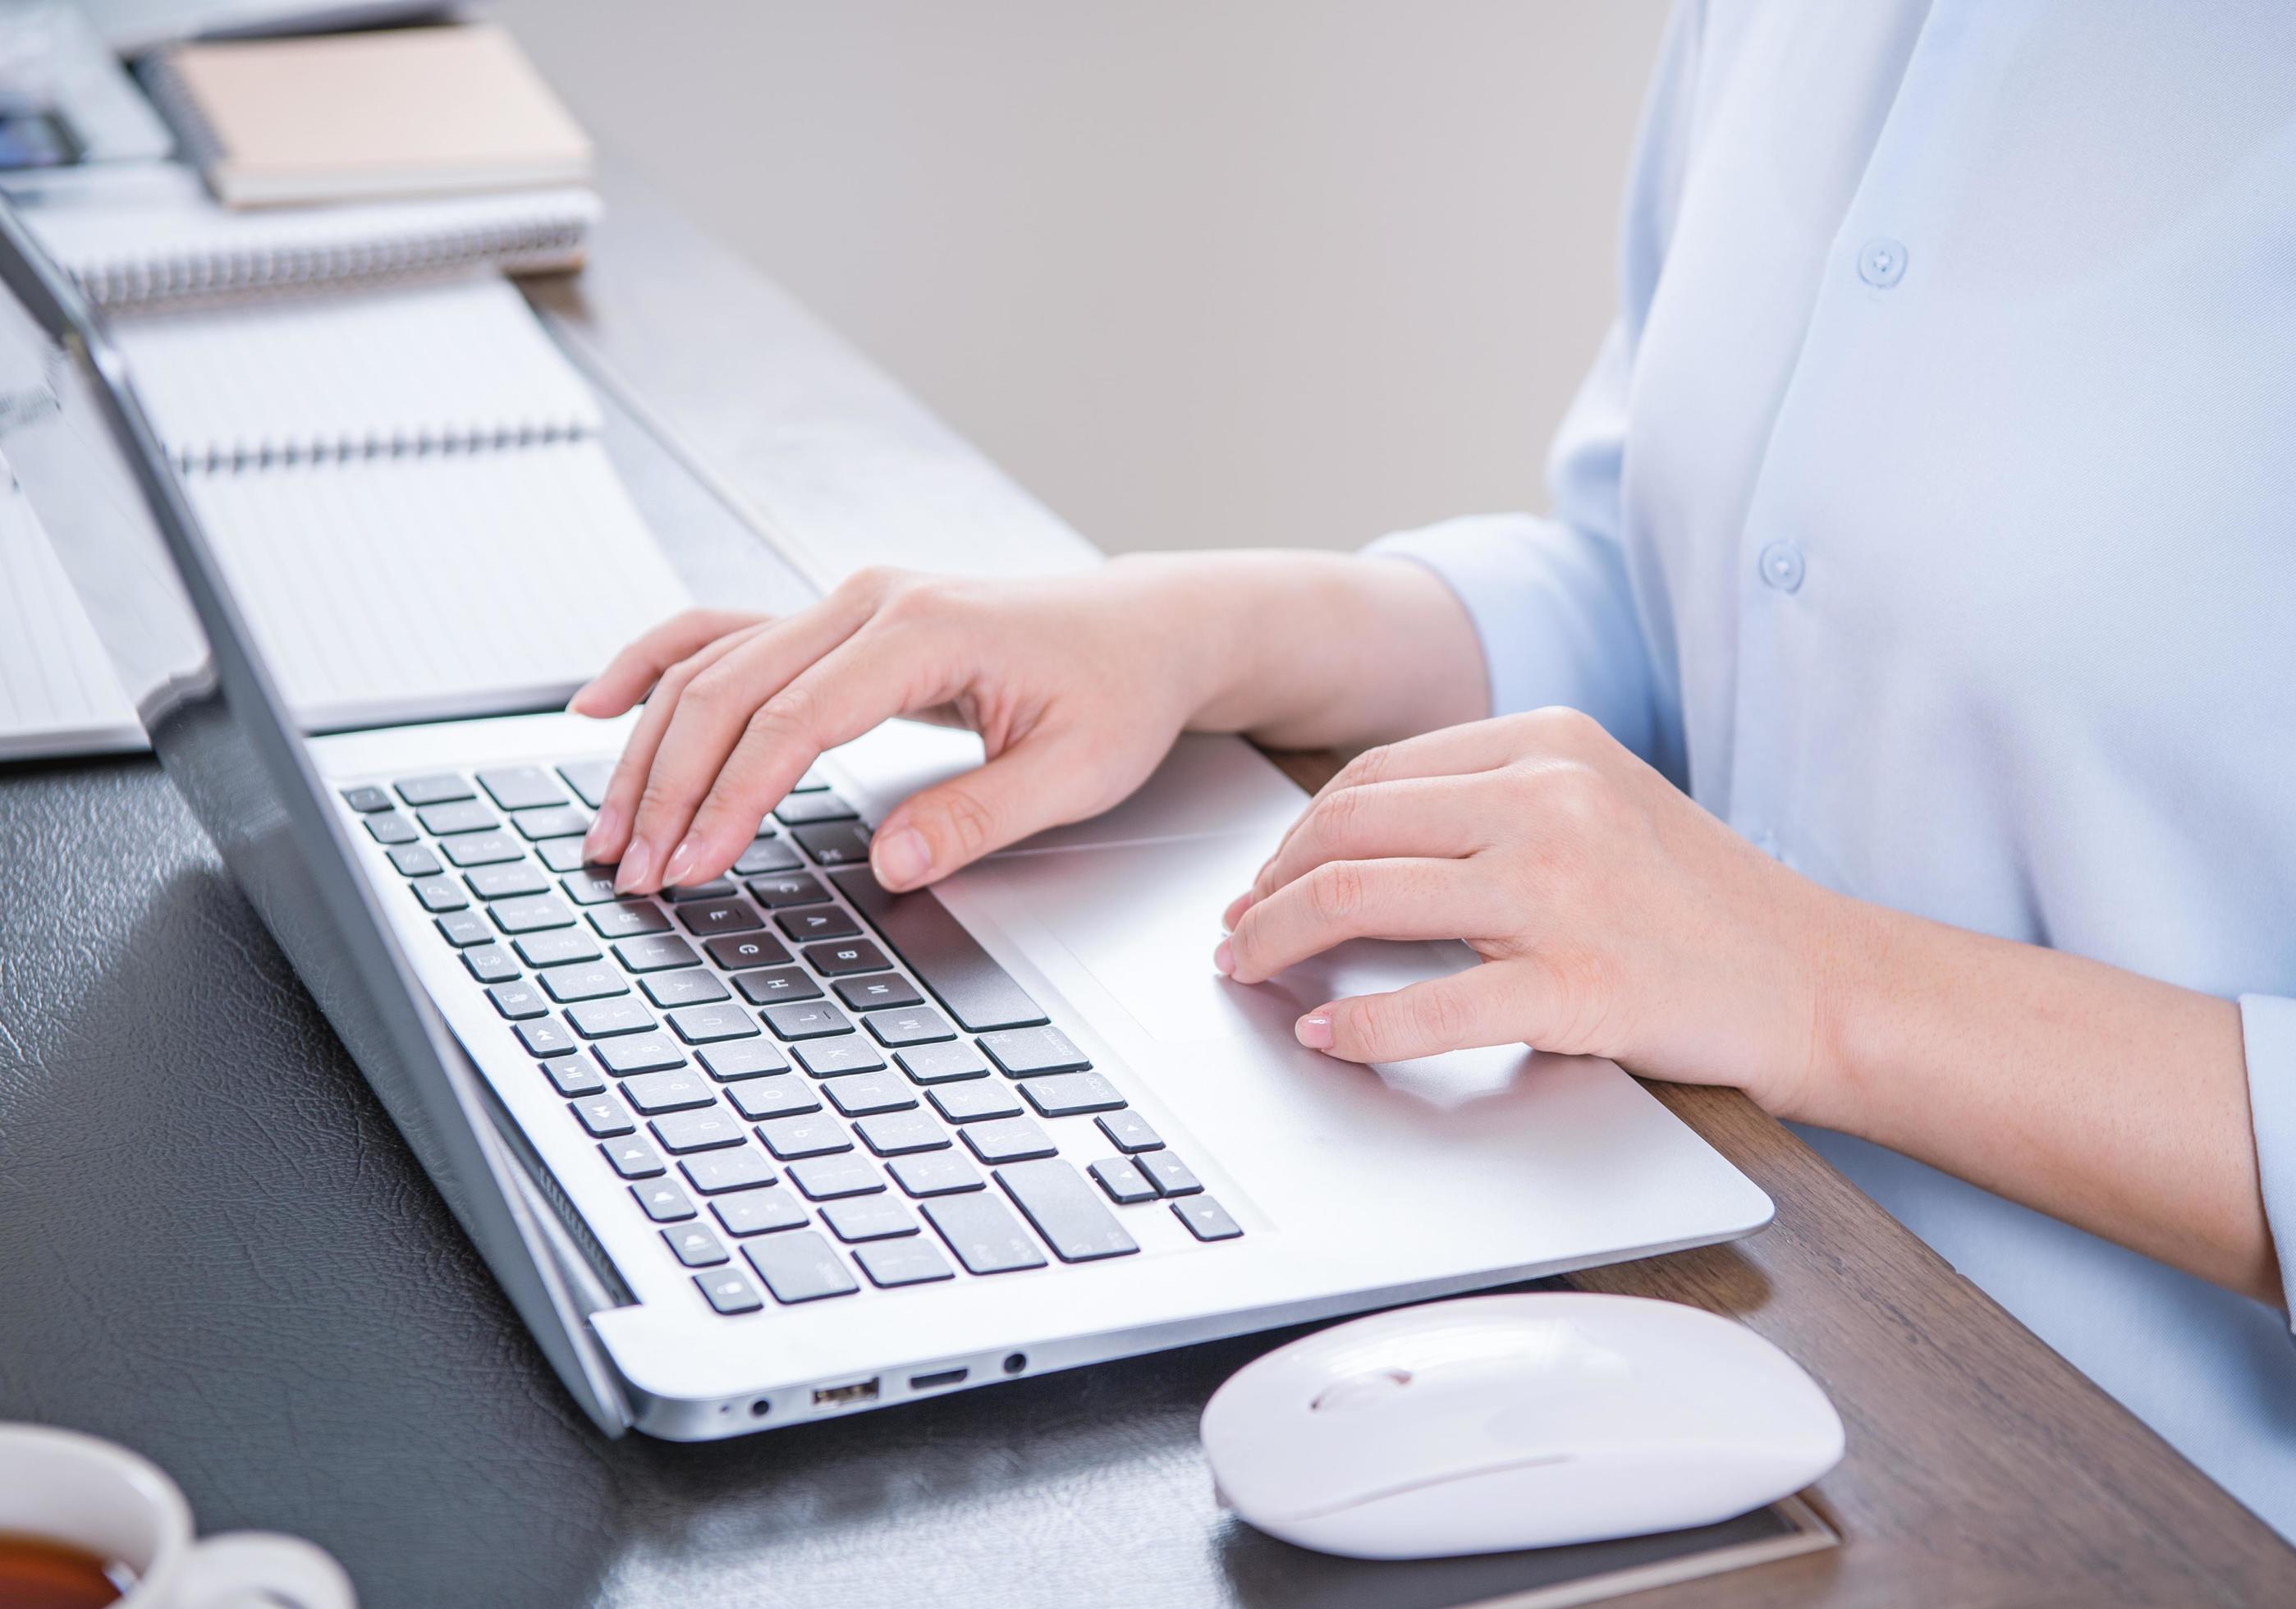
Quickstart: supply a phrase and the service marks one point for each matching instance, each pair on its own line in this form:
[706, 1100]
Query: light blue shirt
[1929, 514]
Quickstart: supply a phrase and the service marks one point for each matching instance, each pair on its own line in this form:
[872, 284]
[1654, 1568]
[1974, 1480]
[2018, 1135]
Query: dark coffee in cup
[38, 1574]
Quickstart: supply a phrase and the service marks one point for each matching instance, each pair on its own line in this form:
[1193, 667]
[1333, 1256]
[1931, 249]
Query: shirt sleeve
[2268, 1025]
[1550, 597]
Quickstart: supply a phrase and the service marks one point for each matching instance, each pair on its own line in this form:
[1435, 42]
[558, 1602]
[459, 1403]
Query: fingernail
[901, 858]
[1224, 958]
[681, 861]
[602, 832]
[574, 704]
[1314, 1032]
[638, 863]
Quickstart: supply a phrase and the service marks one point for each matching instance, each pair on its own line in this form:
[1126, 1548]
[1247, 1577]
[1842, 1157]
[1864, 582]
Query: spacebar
[947, 960]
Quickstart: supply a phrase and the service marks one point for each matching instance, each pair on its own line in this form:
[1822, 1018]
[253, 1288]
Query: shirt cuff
[1554, 614]
[2268, 1025]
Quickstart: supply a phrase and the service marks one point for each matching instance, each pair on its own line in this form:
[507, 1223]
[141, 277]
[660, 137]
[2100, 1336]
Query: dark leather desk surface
[215, 1248]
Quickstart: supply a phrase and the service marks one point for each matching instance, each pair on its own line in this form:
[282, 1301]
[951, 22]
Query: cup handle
[261, 1570]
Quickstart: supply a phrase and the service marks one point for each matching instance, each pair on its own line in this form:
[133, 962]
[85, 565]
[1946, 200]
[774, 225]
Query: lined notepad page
[396, 589]
[452, 363]
[57, 691]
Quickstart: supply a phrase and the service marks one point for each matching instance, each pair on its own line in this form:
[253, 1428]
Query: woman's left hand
[1615, 917]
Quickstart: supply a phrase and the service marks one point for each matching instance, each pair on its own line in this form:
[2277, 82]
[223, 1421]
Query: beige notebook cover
[399, 112]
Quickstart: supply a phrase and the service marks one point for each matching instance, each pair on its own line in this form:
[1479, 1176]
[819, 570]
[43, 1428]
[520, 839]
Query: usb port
[845, 1396]
[938, 1377]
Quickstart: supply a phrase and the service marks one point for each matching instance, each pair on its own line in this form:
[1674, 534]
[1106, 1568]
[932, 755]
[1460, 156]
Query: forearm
[1313, 650]
[2116, 1102]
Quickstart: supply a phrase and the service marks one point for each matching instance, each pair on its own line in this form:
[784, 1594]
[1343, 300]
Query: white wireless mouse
[1502, 1422]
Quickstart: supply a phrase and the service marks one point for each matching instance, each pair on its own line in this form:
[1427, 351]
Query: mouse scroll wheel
[1360, 1390]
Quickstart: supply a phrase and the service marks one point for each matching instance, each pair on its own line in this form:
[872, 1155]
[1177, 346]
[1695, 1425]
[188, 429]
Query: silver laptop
[786, 1146]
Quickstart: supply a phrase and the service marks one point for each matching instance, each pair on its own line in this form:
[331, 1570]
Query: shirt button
[1881, 264]
[1781, 566]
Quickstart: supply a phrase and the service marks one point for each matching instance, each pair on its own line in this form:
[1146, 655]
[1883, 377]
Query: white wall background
[1195, 271]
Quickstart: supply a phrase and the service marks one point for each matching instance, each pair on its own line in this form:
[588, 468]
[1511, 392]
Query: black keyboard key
[695, 1246]
[868, 1092]
[712, 916]
[706, 1025]
[803, 810]
[899, 1133]
[942, 1063]
[790, 888]
[629, 919]
[674, 1089]
[832, 1058]
[444, 788]
[817, 921]
[1206, 1219]
[391, 828]
[1168, 1173]
[715, 1173]
[688, 986]
[469, 815]
[914, 1025]
[1008, 1139]
[531, 914]
[491, 963]
[638, 1053]
[656, 952]
[793, 1138]
[1068, 1212]
[463, 928]
[717, 888]
[834, 844]
[1025, 1052]
[729, 1292]
[573, 1078]
[440, 895]
[852, 956]
[416, 860]
[767, 855]
[588, 779]
[562, 854]
[942, 1173]
[829, 1178]
[902, 1263]
[481, 848]
[769, 984]
[604, 1019]
[367, 801]
[759, 1211]
[705, 1129]
[507, 881]
[551, 821]
[749, 1060]
[945, 958]
[591, 885]
[632, 1158]
[735, 952]
[811, 1019]
[564, 948]
[589, 981]
[1071, 1094]
[878, 991]
[1121, 1178]
[983, 1233]
[602, 1117]
[521, 787]
[518, 1002]
[546, 1036]
[761, 1100]
[869, 1218]
[800, 1266]
[664, 1203]
[975, 1101]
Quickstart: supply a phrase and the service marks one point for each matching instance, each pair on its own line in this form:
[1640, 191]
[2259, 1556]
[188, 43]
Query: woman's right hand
[1077, 685]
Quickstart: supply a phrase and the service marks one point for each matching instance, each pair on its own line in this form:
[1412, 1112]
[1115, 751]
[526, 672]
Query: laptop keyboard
[812, 1086]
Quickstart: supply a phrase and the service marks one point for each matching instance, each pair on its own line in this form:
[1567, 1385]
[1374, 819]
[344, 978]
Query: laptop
[788, 1146]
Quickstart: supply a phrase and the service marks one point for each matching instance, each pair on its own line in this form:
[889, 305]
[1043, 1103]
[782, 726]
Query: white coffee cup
[61, 1486]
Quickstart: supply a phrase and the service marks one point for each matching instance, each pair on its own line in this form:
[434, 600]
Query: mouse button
[1359, 1391]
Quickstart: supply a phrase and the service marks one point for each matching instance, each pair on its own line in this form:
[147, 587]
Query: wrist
[1848, 962]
